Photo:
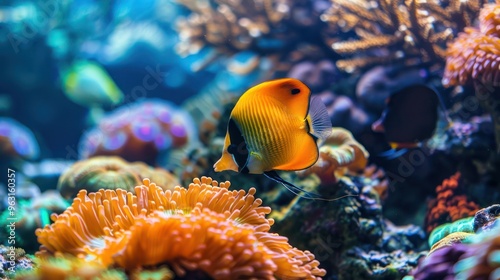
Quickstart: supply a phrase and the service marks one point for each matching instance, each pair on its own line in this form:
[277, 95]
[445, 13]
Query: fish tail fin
[320, 123]
[299, 191]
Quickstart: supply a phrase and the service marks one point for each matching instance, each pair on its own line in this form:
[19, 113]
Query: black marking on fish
[295, 91]
[238, 146]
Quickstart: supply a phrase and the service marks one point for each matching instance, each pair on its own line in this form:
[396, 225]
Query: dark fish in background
[410, 118]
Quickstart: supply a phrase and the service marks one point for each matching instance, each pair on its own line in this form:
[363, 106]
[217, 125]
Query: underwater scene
[249, 139]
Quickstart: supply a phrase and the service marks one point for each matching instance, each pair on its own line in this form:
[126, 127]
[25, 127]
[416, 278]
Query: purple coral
[140, 132]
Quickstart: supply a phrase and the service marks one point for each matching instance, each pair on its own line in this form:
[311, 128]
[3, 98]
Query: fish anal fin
[318, 118]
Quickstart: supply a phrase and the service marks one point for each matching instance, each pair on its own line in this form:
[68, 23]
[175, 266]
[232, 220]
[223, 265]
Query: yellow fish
[88, 84]
[275, 125]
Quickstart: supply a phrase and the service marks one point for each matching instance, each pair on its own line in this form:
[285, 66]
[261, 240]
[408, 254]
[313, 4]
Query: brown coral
[448, 205]
[112, 172]
[228, 25]
[398, 29]
[339, 153]
[222, 232]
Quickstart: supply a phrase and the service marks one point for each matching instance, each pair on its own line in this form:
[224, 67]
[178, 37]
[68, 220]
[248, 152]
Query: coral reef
[339, 153]
[13, 260]
[63, 266]
[103, 172]
[17, 141]
[29, 215]
[473, 257]
[462, 230]
[451, 233]
[345, 113]
[439, 265]
[350, 235]
[449, 204]
[68, 267]
[317, 75]
[140, 132]
[390, 31]
[376, 84]
[46, 172]
[210, 228]
[231, 26]
[473, 57]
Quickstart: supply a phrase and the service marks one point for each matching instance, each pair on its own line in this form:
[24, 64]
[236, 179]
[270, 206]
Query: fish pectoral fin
[318, 118]
[254, 163]
[304, 154]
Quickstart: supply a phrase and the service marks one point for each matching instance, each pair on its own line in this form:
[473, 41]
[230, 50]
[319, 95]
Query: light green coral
[462, 225]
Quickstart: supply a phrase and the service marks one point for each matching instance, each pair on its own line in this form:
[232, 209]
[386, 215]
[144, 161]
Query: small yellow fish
[88, 84]
[274, 126]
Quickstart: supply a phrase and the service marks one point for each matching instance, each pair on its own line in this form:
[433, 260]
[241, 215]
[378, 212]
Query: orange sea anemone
[205, 227]
[475, 53]
[474, 58]
[338, 154]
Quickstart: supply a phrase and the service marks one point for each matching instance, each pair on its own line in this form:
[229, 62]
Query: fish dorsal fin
[273, 175]
[319, 121]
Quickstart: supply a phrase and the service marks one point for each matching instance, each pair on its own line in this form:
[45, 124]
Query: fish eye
[295, 91]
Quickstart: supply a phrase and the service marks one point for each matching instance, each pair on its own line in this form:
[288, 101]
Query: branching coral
[405, 29]
[339, 153]
[235, 25]
[109, 173]
[218, 24]
[449, 206]
[474, 57]
[205, 227]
